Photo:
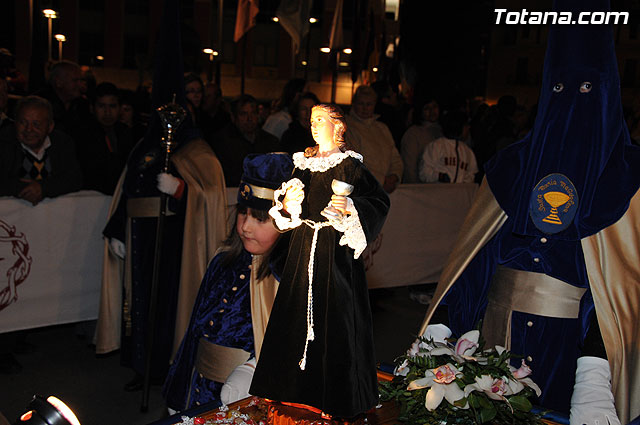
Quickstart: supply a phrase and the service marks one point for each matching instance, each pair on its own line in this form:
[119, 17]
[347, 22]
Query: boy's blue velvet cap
[262, 173]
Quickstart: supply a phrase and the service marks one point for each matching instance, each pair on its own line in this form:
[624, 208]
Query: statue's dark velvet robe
[340, 374]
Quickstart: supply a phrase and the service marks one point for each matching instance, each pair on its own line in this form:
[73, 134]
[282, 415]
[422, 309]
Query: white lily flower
[494, 388]
[467, 344]
[441, 384]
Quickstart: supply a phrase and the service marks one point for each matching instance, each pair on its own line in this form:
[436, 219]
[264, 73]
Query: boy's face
[107, 110]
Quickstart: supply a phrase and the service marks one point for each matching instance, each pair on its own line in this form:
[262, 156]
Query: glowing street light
[61, 39]
[347, 51]
[313, 20]
[211, 54]
[325, 50]
[275, 19]
[50, 14]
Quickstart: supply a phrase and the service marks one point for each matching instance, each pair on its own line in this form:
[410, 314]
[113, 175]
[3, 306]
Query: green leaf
[460, 403]
[520, 403]
[487, 414]
[473, 401]
[485, 403]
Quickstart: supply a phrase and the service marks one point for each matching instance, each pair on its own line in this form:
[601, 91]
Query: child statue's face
[257, 236]
[322, 130]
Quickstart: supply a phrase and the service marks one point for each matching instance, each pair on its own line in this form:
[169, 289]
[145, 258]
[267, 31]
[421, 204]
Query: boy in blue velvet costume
[235, 297]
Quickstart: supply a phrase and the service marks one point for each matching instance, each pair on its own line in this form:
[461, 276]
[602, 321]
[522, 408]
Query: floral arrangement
[439, 383]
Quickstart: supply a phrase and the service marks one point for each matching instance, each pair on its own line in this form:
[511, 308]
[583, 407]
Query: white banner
[51, 260]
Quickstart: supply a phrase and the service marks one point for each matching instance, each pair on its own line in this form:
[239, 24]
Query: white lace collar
[322, 164]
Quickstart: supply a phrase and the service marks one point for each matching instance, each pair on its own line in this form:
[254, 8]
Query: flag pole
[220, 16]
[334, 77]
[242, 63]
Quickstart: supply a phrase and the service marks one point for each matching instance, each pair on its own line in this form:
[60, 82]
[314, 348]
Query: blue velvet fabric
[264, 171]
[222, 315]
[582, 135]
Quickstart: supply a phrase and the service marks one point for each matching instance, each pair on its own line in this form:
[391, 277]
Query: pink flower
[441, 386]
[444, 375]
[523, 372]
[468, 343]
[498, 387]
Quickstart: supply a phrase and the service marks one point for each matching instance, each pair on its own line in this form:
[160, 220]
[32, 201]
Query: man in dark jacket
[242, 137]
[37, 162]
[103, 143]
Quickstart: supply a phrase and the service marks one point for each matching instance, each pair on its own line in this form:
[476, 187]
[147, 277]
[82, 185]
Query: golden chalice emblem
[555, 199]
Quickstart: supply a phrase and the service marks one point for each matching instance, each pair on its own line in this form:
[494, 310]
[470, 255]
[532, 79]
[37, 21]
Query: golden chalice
[555, 199]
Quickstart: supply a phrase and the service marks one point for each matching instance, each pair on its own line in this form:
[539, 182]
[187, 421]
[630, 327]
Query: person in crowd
[194, 227]
[425, 130]
[36, 161]
[235, 298]
[104, 143]
[264, 110]
[130, 115]
[278, 122]
[194, 89]
[298, 136]
[448, 159]
[499, 129]
[388, 110]
[215, 112]
[88, 84]
[547, 258]
[320, 325]
[373, 140]
[4, 104]
[70, 109]
[16, 81]
[241, 138]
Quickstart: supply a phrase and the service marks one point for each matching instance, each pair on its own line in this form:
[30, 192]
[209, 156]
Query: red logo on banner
[15, 263]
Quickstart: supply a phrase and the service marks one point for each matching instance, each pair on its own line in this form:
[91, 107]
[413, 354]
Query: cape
[205, 227]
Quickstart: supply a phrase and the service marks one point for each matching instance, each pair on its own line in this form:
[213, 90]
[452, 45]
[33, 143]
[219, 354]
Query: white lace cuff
[295, 209]
[353, 235]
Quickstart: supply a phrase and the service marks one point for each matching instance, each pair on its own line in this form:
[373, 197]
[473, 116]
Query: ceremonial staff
[171, 116]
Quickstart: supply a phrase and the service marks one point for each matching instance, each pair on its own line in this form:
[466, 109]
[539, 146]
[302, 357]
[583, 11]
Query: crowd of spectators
[103, 123]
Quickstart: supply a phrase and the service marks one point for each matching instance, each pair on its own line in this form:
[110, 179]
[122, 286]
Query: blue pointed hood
[579, 134]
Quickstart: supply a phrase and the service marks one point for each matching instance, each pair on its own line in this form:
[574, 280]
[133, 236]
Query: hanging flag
[245, 17]
[336, 40]
[293, 15]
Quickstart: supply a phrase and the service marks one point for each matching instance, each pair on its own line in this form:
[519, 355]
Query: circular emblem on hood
[554, 203]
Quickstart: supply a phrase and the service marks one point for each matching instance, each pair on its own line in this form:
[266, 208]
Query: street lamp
[61, 39]
[211, 54]
[50, 14]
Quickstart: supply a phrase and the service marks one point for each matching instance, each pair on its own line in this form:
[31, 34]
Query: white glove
[437, 332]
[237, 385]
[118, 247]
[592, 400]
[168, 184]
